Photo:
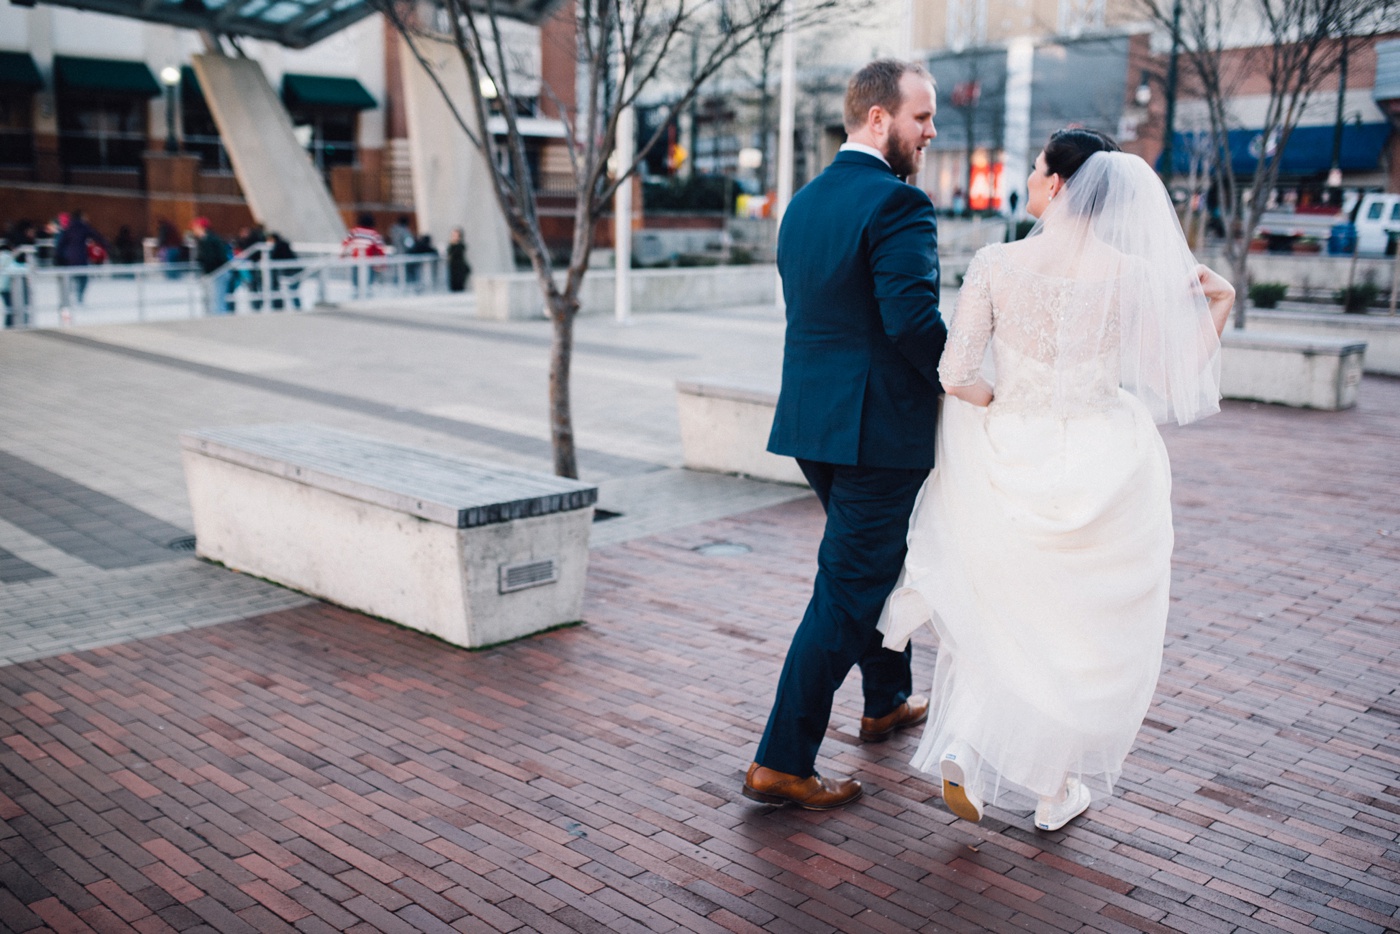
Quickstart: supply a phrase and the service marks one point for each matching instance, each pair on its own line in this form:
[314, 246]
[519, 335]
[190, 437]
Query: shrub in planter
[692, 260]
[1357, 298]
[1267, 294]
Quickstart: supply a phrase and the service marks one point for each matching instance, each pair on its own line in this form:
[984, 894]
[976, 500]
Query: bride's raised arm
[1220, 295]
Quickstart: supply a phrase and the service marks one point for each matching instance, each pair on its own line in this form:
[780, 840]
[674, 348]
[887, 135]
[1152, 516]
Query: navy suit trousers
[862, 551]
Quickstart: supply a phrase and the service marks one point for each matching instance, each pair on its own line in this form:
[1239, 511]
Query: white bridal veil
[1113, 227]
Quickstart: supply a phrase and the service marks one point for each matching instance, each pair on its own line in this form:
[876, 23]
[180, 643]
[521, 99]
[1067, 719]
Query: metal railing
[60, 296]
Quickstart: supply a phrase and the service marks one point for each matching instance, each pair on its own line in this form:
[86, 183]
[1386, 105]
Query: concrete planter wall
[1380, 333]
[516, 296]
[724, 429]
[1307, 372]
[468, 553]
[1319, 271]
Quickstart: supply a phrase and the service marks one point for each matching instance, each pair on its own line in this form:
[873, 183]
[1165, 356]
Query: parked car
[1283, 228]
[1378, 223]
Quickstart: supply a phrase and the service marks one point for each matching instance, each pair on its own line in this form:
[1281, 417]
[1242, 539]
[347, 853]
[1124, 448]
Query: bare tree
[624, 48]
[1297, 47]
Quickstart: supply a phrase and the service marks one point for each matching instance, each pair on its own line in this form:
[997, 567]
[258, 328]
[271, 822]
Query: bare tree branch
[1298, 49]
[623, 59]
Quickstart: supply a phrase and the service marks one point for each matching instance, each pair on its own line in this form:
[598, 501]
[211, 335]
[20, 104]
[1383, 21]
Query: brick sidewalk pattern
[314, 770]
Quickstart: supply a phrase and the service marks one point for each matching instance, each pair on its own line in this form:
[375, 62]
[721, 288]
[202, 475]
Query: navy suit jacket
[858, 257]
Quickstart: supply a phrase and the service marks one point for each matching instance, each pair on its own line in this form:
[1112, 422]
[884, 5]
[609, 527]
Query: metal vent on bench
[528, 574]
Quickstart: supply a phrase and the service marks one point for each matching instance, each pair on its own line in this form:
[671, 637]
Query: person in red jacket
[362, 242]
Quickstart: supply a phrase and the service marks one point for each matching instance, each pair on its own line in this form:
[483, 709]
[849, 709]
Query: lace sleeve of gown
[971, 328]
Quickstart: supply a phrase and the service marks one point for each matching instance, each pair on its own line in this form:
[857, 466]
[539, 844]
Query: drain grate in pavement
[183, 543]
[85, 523]
[722, 549]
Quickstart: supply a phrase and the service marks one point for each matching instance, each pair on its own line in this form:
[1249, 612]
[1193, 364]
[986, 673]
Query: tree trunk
[765, 120]
[563, 306]
[1239, 269]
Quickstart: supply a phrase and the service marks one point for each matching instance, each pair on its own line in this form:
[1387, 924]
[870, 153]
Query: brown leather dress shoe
[813, 793]
[910, 713]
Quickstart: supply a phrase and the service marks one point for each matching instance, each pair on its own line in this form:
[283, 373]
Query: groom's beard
[904, 154]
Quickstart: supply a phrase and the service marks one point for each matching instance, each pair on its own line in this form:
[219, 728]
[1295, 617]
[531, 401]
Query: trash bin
[1342, 240]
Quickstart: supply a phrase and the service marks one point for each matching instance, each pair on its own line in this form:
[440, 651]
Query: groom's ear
[877, 119]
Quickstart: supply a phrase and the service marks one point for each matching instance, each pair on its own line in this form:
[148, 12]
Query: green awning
[104, 75]
[17, 70]
[323, 91]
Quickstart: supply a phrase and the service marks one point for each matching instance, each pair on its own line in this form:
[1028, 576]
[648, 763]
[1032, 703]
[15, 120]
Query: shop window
[101, 133]
[17, 128]
[328, 133]
[201, 133]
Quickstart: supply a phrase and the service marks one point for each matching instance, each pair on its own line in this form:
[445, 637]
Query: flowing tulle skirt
[1039, 552]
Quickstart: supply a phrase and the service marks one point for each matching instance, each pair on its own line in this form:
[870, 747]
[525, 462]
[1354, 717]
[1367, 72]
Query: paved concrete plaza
[185, 748]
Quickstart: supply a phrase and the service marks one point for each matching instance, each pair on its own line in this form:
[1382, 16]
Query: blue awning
[1308, 152]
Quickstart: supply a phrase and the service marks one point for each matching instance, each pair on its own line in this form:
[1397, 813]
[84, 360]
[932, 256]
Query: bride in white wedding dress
[1040, 547]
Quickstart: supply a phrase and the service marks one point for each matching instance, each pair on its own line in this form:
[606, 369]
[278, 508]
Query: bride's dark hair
[1068, 149]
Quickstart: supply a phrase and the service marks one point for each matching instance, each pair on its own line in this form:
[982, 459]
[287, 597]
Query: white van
[1377, 220]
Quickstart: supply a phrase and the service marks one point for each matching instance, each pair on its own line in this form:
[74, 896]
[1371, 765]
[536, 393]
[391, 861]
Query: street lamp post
[1334, 177]
[170, 77]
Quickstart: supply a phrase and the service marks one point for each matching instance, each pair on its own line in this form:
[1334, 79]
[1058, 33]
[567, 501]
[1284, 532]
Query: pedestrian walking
[7, 264]
[212, 254]
[362, 242]
[459, 271]
[425, 254]
[250, 241]
[279, 250]
[72, 248]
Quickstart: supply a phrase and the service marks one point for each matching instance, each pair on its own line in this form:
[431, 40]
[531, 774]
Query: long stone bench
[724, 429]
[1380, 332]
[1304, 371]
[516, 296]
[473, 554]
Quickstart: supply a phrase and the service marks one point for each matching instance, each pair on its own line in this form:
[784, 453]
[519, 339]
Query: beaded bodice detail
[1055, 341]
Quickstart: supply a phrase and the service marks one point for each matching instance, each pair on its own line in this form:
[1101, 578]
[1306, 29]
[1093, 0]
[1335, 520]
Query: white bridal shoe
[955, 767]
[1052, 815]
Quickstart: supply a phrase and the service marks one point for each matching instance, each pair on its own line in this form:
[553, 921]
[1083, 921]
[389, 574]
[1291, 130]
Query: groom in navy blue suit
[858, 257]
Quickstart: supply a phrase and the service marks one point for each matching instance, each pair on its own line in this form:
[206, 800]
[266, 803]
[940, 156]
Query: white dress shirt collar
[868, 150]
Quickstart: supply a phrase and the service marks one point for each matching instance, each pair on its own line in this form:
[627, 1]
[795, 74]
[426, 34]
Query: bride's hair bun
[1068, 149]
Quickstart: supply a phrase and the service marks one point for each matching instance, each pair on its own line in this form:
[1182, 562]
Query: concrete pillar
[284, 189]
[171, 183]
[1018, 155]
[451, 180]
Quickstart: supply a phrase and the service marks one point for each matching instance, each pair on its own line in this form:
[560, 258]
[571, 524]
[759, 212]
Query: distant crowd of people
[364, 242]
[70, 240]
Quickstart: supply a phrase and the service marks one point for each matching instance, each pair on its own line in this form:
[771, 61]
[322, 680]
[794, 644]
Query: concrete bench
[1303, 371]
[473, 554]
[1381, 333]
[724, 429]
[516, 296]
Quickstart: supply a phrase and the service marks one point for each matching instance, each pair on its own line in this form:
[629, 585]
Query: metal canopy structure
[293, 23]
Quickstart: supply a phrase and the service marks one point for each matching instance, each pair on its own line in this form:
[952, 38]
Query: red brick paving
[316, 770]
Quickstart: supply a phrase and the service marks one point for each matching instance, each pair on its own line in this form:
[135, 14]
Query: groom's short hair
[877, 84]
